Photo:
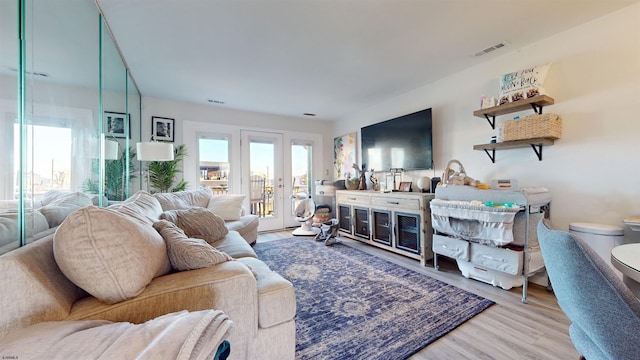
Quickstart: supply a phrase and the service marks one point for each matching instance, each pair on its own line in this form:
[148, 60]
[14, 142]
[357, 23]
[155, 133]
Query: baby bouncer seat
[328, 232]
[303, 213]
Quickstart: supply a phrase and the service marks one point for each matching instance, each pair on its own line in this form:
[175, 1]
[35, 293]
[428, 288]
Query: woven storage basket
[533, 126]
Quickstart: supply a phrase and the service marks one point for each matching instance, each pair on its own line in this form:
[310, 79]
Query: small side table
[626, 258]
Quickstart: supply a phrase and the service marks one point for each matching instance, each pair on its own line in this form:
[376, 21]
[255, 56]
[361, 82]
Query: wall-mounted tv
[403, 142]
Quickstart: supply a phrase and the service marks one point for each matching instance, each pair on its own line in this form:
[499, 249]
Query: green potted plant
[115, 178]
[162, 174]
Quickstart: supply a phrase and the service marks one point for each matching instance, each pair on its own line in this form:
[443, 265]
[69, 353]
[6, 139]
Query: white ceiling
[327, 57]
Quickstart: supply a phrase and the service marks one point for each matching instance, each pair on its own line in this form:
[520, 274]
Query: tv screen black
[403, 142]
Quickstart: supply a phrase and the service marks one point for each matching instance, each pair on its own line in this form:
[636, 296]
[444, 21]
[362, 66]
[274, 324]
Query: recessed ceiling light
[213, 101]
[309, 114]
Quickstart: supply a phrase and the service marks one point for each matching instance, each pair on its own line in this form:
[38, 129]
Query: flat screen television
[403, 142]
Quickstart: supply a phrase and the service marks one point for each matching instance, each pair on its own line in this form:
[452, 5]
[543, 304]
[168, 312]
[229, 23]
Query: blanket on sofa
[182, 335]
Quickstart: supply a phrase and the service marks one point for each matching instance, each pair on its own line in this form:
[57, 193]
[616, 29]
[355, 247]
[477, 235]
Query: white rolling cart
[494, 244]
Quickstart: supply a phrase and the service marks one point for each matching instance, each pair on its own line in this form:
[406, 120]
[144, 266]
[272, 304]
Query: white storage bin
[503, 260]
[489, 276]
[451, 247]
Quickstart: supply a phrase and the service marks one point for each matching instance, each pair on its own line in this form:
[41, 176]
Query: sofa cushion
[247, 226]
[55, 215]
[141, 206]
[276, 296]
[108, 254]
[53, 195]
[227, 206]
[36, 223]
[235, 245]
[184, 199]
[188, 253]
[57, 209]
[198, 222]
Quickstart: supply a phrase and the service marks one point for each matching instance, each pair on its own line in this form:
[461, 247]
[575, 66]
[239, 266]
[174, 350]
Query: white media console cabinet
[397, 221]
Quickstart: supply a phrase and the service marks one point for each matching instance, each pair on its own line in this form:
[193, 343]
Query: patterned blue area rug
[353, 305]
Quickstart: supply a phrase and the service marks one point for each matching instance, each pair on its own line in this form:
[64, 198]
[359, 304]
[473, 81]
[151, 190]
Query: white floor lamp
[154, 151]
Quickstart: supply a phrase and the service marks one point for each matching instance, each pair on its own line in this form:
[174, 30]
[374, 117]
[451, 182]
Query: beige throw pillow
[108, 254]
[228, 207]
[188, 253]
[141, 206]
[58, 208]
[181, 200]
[198, 223]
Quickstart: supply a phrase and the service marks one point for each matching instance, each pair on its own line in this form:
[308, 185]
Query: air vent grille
[495, 47]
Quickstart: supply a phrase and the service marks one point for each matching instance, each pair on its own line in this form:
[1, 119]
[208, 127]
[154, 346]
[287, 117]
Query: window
[48, 159]
[214, 165]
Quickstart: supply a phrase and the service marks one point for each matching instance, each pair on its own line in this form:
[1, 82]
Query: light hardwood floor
[507, 330]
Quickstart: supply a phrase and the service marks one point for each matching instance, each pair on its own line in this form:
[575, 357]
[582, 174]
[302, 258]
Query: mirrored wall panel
[69, 110]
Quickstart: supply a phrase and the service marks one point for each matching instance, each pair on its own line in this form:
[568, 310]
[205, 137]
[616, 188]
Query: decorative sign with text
[523, 84]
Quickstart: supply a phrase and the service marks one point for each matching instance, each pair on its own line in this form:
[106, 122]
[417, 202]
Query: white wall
[593, 171]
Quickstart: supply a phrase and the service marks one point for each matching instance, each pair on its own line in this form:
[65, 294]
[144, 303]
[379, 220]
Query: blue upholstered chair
[604, 314]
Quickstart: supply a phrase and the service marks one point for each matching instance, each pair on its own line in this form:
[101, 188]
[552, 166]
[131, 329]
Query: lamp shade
[154, 151]
[110, 149]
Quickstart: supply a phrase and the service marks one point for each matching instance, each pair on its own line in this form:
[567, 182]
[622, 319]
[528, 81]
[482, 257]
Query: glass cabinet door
[408, 232]
[381, 226]
[361, 222]
[344, 218]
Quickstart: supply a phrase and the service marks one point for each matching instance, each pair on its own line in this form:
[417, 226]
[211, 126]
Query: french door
[263, 177]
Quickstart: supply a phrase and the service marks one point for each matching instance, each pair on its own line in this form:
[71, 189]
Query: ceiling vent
[495, 47]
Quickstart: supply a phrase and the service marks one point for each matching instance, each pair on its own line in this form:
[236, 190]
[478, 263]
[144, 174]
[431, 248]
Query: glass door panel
[263, 178]
[301, 168]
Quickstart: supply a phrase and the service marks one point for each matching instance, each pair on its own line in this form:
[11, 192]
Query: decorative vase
[368, 181]
[424, 183]
[363, 181]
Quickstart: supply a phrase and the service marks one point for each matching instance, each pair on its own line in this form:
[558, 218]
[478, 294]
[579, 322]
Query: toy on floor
[328, 232]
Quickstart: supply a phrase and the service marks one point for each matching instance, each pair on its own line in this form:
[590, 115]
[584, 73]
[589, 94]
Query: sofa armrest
[201, 289]
[229, 286]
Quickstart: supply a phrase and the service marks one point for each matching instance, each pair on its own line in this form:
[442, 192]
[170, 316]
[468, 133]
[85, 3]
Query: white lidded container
[601, 238]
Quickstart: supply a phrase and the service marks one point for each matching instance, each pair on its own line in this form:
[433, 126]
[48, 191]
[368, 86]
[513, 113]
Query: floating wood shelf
[536, 103]
[536, 144]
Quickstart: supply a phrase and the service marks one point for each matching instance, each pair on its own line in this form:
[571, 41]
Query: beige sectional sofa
[37, 287]
[227, 206]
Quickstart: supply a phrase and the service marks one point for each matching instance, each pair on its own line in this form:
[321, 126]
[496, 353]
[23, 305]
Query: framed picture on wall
[115, 123]
[162, 129]
[344, 155]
